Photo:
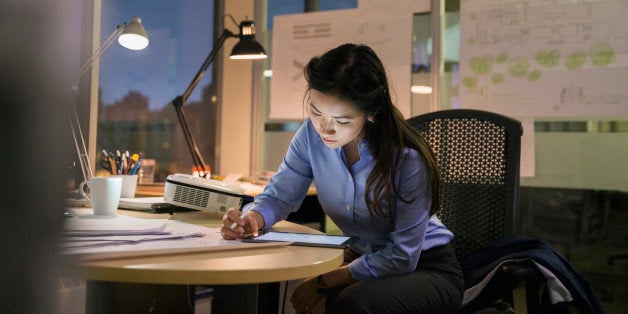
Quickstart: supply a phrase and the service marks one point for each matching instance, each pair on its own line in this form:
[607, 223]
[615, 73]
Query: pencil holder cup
[129, 185]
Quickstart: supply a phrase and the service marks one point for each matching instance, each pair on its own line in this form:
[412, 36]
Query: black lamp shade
[247, 47]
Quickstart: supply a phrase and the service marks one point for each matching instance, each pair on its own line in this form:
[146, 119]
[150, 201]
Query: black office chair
[478, 154]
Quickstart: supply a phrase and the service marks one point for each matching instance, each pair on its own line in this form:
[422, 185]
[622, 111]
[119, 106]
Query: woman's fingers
[233, 215]
[228, 234]
[251, 224]
[228, 219]
[235, 226]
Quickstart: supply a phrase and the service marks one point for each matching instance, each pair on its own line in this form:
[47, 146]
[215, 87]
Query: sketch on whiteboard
[299, 37]
[298, 67]
[310, 31]
[575, 95]
[541, 58]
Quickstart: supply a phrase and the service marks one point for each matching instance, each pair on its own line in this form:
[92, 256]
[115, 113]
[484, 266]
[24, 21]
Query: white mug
[129, 185]
[104, 194]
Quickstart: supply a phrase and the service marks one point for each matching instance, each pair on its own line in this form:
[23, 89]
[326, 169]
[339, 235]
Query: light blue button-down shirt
[341, 194]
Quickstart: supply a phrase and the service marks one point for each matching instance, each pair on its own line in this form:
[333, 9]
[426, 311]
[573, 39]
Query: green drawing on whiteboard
[534, 75]
[518, 66]
[547, 58]
[576, 60]
[497, 78]
[602, 54]
[470, 81]
[501, 58]
[481, 65]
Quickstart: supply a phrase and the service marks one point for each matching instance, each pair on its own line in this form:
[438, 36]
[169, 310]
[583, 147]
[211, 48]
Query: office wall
[279, 140]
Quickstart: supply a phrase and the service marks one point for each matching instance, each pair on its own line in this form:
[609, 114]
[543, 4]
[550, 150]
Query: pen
[137, 166]
[244, 212]
[124, 164]
[114, 169]
[118, 162]
[104, 161]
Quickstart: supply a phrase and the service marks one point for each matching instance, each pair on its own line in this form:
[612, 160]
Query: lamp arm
[197, 158]
[75, 125]
[179, 101]
[201, 72]
[105, 45]
[79, 144]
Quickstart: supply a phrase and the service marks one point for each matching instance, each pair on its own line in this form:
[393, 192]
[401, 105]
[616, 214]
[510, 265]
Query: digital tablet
[306, 239]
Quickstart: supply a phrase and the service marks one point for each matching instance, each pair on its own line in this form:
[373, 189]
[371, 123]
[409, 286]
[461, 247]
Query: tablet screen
[304, 239]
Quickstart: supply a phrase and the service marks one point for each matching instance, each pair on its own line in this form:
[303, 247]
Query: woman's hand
[248, 225]
[306, 299]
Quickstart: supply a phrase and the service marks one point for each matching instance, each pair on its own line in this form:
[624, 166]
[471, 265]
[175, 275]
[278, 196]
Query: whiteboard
[537, 58]
[299, 37]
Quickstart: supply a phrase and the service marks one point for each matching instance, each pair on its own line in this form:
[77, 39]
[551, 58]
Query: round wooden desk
[239, 271]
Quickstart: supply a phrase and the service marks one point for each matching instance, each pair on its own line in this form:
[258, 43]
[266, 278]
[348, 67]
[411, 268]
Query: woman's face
[338, 122]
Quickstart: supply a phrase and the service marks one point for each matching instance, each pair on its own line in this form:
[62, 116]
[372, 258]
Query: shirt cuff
[360, 269]
[267, 214]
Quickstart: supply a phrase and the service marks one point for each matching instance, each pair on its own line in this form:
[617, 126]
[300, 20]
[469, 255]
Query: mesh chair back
[478, 154]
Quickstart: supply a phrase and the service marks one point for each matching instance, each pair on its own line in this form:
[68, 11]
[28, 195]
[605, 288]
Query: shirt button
[350, 179]
[348, 207]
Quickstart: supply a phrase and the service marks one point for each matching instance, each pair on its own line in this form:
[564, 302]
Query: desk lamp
[246, 48]
[130, 35]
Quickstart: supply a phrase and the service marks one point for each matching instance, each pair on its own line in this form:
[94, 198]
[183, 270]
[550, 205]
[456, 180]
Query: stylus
[244, 212]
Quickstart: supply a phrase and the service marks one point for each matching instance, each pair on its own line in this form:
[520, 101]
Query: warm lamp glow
[244, 57]
[134, 36]
[420, 89]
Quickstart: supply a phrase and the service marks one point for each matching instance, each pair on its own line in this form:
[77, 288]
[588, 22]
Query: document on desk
[85, 237]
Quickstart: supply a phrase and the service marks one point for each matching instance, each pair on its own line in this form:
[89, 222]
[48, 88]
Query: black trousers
[436, 286]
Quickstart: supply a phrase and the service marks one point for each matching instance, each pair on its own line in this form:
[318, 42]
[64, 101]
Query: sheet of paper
[84, 221]
[74, 243]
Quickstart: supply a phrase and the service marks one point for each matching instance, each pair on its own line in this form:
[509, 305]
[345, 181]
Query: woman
[354, 141]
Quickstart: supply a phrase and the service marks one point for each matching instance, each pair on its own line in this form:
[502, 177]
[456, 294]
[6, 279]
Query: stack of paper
[91, 237]
[88, 231]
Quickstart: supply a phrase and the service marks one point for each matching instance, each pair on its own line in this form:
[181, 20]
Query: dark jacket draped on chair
[480, 264]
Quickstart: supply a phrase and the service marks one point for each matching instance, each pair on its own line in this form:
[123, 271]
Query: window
[137, 87]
